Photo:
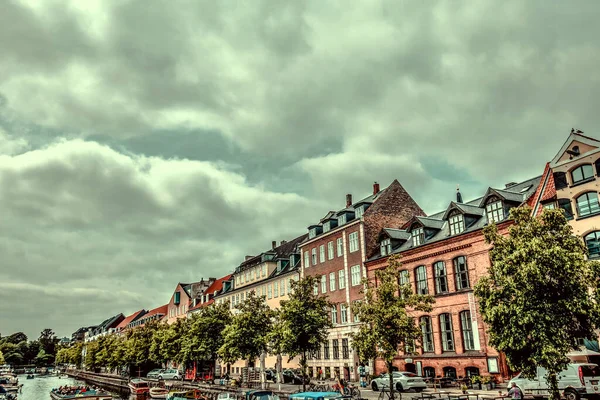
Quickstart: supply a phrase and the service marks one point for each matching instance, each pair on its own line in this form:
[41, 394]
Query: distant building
[106, 327]
[79, 334]
[156, 314]
[208, 298]
[185, 296]
[126, 323]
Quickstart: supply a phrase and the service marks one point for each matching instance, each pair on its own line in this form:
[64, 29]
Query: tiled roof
[129, 319]
[397, 234]
[545, 190]
[162, 310]
[284, 250]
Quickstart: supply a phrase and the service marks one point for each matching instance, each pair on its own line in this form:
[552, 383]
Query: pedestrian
[362, 371]
[320, 374]
[515, 392]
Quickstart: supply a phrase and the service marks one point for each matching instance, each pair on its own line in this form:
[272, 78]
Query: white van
[578, 380]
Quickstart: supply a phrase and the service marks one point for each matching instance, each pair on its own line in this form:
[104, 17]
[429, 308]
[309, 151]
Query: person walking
[514, 392]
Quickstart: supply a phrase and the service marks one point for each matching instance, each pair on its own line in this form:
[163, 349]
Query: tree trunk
[553, 386]
[263, 377]
[389, 368]
[303, 365]
[279, 368]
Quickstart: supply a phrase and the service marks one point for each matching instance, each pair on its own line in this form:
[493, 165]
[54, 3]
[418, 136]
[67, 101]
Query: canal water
[39, 388]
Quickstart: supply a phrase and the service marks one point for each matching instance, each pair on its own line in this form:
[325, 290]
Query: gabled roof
[284, 250]
[130, 319]
[574, 136]
[504, 195]
[545, 190]
[162, 310]
[397, 234]
[426, 222]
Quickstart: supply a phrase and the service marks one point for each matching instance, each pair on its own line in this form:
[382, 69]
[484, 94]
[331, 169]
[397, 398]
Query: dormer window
[457, 223]
[312, 232]
[327, 226]
[582, 173]
[359, 211]
[494, 210]
[342, 219]
[386, 247]
[418, 236]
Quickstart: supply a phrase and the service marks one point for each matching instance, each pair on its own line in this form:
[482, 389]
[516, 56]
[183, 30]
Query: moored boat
[138, 386]
[79, 393]
[186, 395]
[158, 393]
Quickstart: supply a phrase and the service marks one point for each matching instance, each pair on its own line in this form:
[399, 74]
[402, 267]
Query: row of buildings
[443, 254]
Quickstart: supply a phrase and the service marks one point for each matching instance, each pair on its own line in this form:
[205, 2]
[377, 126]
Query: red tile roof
[545, 191]
[158, 310]
[217, 285]
[128, 319]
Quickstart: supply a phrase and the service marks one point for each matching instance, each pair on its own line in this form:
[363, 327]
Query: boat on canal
[186, 395]
[10, 383]
[159, 393]
[138, 386]
[79, 393]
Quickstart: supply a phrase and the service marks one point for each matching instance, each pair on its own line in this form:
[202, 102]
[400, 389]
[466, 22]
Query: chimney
[375, 188]
[274, 243]
[458, 195]
[348, 200]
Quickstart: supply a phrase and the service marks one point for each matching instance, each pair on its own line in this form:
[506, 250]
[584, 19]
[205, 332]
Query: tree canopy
[540, 296]
[387, 323]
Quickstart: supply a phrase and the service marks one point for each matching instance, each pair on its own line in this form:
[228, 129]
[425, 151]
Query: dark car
[294, 377]
[271, 375]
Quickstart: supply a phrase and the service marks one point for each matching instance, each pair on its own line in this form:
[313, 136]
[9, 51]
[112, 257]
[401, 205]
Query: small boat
[158, 393]
[186, 394]
[80, 395]
[30, 376]
[138, 386]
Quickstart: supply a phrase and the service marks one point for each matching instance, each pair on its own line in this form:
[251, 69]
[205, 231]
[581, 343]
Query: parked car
[578, 380]
[271, 375]
[154, 373]
[293, 376]
[402, 381]
[171, 374]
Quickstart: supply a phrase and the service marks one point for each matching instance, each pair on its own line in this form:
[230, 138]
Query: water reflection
[40, 387]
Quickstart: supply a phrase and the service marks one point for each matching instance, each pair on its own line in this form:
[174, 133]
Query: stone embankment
[118, 384]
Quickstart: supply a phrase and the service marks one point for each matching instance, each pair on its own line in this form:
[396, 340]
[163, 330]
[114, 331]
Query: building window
[494, 210]
[326, 226]
[342, 279]
[312, 232]
[323, 284]
[264, 271]
[306, 259]
[356, 319]
[560, 180]
[457, 224]
[326, 350]
[359, 211]
[565, 205]
[275, 289]
[322, 253]
[353, 239]
[340, 247]
[355, 275]
[342, 219]
[418, 236]
[334, 315]
[345, 349]
[314, 256]
[427, 330]
[592, 241]
[269, 291]
[467, 330]
[386, 247]
[343, 314]
[461, 272]
[336, 349]
[587, 204]
[331, 281]
[289, 285]
[550, 206]
[330, 251]
[441, 280]
[447, 334]
[582, 173]
[403, 278]
[316, 288]
[421, 280]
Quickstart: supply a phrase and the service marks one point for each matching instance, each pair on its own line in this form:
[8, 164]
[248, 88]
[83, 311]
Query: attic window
[342, 219]
[494, 209]
[418, 236]
[457, 223]
[526, 188]
[326, 226]
[312, 232]
[358, 212]
[386, 247]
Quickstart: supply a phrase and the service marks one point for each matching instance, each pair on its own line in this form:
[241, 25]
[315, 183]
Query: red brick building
[445, 255]
[335, 250]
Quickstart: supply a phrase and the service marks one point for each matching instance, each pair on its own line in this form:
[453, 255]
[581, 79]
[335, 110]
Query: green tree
[137, 345]
[117, 353]
[43, 359]
[12, 353]
[205, 334]
[304, 321]
[29, 350]
[247, 336]
[536, 300]
[2, 360]
[48, 341]
[91, 355]
[385, 313]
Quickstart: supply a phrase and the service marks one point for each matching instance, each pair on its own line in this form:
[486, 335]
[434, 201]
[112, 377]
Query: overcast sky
[146, 144]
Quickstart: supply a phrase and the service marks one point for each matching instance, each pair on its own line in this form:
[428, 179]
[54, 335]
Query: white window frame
[343, 314]
[330, 250]
[355, 275]
[456, 223]
[418, 234]
[334, 315]
[275, 289]
[322, 253]
[269, 291]
[342, 279]
[316, 288]
[495, 211]
[353, 240]
[332, 281]
[340, 247]
[342, 219]
[306, 259]
[323, 283]
[314, 256]
[282, 287]
[359, 211]
[386, 247]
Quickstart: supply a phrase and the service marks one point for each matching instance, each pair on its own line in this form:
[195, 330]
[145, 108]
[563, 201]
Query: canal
[39, 388]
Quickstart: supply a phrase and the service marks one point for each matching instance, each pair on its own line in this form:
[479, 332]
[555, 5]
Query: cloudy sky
[142, 145]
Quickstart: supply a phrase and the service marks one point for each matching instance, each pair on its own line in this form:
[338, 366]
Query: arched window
[461, 272]
[427, 330]
[429, 372]
[471, 371]
[450, 372]
[494, 209]
[456, 222]
[467, 330]
[560, 180]
[565, 205]
[447, 334]
[582, 173]
[592, 241]
[441, 280]
[587, 204]
[421, 280]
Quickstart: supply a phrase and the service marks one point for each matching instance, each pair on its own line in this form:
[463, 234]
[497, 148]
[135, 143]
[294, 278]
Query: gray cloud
[192, 131]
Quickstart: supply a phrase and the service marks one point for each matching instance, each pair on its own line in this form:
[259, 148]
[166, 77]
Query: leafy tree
[537, 301]
[2, 361]
[91, 355]
[205, 334]
[12, 353]
[386, 317]
[247, 336]
[116, 353]
[16, 338]
[304, 322]
[137, 345]
[29, 350]
[43, 359]
[48, 341]
[276, 341]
